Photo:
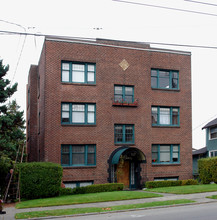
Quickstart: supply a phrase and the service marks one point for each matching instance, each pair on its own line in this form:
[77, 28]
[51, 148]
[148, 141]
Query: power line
[198, 2]
[204, 122]
[164, 7]
[79, 38]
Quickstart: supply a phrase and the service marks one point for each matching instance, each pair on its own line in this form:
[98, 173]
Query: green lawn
[85, 198]
[186, 189]
[62, 212]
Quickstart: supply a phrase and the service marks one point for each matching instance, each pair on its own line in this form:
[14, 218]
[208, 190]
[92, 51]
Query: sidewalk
[198, 197]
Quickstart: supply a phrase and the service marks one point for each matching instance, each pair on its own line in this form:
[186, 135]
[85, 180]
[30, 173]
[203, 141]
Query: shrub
[95, 188]
[189, 182]
[39, 179]
[207, 169]
[168, 183]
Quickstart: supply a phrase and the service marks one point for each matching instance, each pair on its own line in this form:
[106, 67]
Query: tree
[12, 127]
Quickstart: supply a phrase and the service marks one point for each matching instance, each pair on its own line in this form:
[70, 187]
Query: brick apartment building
[110, 111]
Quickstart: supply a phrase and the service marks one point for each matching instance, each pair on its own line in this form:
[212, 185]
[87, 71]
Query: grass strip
[186, 189]
[86, 198]
[63, 212]
[212, 197]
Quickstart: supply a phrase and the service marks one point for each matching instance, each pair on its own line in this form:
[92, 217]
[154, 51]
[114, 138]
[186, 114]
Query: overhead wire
[80, 38]
[199, 2]
[165, 7]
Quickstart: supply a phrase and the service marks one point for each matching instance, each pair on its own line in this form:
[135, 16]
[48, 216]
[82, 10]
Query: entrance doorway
[125, 167]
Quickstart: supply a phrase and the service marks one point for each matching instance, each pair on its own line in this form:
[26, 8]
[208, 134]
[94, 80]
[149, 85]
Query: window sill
[165, 126]
[135, 104]
[78, 84]
[78, 125]
[78, 167]
[165, 164]
[166, 90]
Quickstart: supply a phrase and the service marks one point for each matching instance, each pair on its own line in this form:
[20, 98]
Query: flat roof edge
[95, 42]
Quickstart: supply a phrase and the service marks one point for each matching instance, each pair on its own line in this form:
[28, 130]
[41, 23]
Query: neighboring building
[111, 111]
[211, 145]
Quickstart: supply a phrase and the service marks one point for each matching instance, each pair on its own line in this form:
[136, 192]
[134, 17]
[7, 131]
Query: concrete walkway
[198, 197]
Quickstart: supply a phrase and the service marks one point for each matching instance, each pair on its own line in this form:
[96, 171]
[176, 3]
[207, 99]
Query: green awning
[116, 157]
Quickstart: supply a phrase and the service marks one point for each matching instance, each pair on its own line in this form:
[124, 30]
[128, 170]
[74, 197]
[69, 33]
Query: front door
[133, 184]
[123, 173]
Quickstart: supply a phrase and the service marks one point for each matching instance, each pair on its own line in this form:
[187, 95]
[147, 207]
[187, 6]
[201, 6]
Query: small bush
[189, 182]
[39, 179]
[95, 188]
[168, 183]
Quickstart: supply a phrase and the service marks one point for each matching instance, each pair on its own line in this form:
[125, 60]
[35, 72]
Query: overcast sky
[119, 21]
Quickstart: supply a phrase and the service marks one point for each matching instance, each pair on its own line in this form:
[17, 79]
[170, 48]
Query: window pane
[154, 115]
[65, 159]
[65, 76]
[65, 107]
[164, 79]
[165, 153]
[91, 149]
[85, 184]
[213, 132]
[154, 148]
[164, 82]
[78, 117]
[153, 72]
[128, 91]
[118, 90]
[79, 67]
[118, 134]
[154, 157]
[153, 82]
[90, 77]
[65, 66]
[77, 76]
[77, 159]
[175, 116]
[90, 159]
[65, 116]
[174, 83]
[118, 98]
[91, 68]
[77, 108]
[128, 134]
[65, 149]
[175, 75]
[90, 117]
[78, 149]
[91, 108]
[129, 99]
[175, 148]
[165, 116]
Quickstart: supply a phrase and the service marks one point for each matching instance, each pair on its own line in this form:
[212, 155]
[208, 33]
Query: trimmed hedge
[95, 188]
[39, 179]
[207, 169]
[168, 183]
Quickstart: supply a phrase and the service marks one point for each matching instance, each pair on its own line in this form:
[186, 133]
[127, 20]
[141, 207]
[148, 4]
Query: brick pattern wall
[108, 74]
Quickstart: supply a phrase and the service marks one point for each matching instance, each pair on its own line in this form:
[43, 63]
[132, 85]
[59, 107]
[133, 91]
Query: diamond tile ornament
[124, 64]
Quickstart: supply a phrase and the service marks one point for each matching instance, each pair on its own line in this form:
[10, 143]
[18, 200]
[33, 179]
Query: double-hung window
[78, 155]
[165, 153]
[124, 94]
[213, 132]
[78, 72]
[124, 134]
[73, 113]
[164, 79]
[165, 116]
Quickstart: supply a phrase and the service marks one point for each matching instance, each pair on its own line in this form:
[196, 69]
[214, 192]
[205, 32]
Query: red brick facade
[46, 133]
